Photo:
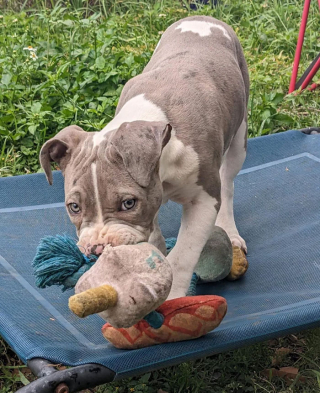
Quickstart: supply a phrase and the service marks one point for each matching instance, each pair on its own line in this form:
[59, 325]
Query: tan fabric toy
[136, 279]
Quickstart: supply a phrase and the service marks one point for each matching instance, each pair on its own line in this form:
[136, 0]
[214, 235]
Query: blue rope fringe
[59, 261]
[170, 243]
[193, 285]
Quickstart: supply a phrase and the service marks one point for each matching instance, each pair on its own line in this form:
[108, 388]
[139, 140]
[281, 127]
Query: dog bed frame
[277, 208]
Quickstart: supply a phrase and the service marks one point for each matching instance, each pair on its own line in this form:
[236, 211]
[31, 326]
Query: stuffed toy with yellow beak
[128, 286]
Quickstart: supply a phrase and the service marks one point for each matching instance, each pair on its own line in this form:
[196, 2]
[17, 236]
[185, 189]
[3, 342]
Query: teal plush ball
[216, 258]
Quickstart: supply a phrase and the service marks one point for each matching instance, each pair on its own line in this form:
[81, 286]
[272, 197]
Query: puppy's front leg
[156, 238]
[198, 219]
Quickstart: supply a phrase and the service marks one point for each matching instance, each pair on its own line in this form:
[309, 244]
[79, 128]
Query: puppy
[179, 133]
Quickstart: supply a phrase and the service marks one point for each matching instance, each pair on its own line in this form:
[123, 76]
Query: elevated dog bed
[277, 201]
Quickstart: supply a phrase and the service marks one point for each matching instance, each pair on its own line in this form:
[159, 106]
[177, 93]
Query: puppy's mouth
[94, 241]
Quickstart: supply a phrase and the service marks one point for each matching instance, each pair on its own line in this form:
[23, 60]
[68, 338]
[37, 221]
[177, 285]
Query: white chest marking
[201, 27]
[138, 108]
[96, 191]
[179, 169]
[178, 163]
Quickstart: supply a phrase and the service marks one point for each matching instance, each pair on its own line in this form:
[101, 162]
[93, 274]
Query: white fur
[199, 216]
[138, 108]
[231, 165]
[96, 191]
[201, 27]
[179, 168]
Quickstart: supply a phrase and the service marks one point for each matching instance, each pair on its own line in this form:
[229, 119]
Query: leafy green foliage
[13, 374]
[80, 68]
[85, 54]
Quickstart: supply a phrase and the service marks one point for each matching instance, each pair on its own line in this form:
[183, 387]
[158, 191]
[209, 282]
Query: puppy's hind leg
[231, 165]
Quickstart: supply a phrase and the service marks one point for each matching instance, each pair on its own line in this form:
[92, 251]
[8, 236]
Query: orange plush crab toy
[128, 286]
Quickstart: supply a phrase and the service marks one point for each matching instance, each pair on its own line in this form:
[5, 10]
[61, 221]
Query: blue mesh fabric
[277, 199]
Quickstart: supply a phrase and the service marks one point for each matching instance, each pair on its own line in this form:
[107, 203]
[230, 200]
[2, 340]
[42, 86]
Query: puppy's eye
[128, 204]
[74, 208]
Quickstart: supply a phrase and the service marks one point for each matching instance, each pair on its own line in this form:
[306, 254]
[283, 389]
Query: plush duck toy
[128, 286]
[124, 285]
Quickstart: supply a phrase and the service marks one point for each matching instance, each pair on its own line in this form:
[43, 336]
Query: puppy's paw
[239, 264]
[238, 241]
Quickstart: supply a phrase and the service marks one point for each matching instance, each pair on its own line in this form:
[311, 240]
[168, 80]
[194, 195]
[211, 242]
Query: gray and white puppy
[179, 133]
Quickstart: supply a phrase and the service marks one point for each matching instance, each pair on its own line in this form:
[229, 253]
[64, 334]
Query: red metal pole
[299, 45]
[313, 86]
[311, 74]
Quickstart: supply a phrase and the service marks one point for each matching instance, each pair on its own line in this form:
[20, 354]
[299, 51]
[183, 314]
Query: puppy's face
[112, 185]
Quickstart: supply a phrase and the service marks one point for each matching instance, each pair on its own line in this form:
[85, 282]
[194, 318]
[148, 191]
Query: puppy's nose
[95, 249]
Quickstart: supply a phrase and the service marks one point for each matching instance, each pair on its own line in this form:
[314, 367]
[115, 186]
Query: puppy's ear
[139, 144]
[59, 149]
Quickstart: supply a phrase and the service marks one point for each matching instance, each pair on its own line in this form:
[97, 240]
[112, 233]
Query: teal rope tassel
[154, 319]
[59, 261]
[170, 243]
[193, 285]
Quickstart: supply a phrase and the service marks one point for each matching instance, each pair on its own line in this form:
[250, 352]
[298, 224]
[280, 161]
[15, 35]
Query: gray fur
[207, 109]
[201, 84]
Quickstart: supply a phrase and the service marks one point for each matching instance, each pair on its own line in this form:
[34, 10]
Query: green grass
[86, 51]
[84, 58]
[240, 371]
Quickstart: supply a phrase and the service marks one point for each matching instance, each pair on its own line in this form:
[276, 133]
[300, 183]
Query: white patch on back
[96, 191]
[201, 27]
[137, 108]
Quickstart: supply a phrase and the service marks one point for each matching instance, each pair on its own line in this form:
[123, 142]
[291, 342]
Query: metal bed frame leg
[310, 130]
[70, 380]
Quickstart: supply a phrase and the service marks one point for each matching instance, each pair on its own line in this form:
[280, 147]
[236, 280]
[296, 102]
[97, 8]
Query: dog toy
[140, 278]
[127, 283]
[59, 261]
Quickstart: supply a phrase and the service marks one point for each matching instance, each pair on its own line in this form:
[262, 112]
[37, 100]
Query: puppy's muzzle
[93, 240]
